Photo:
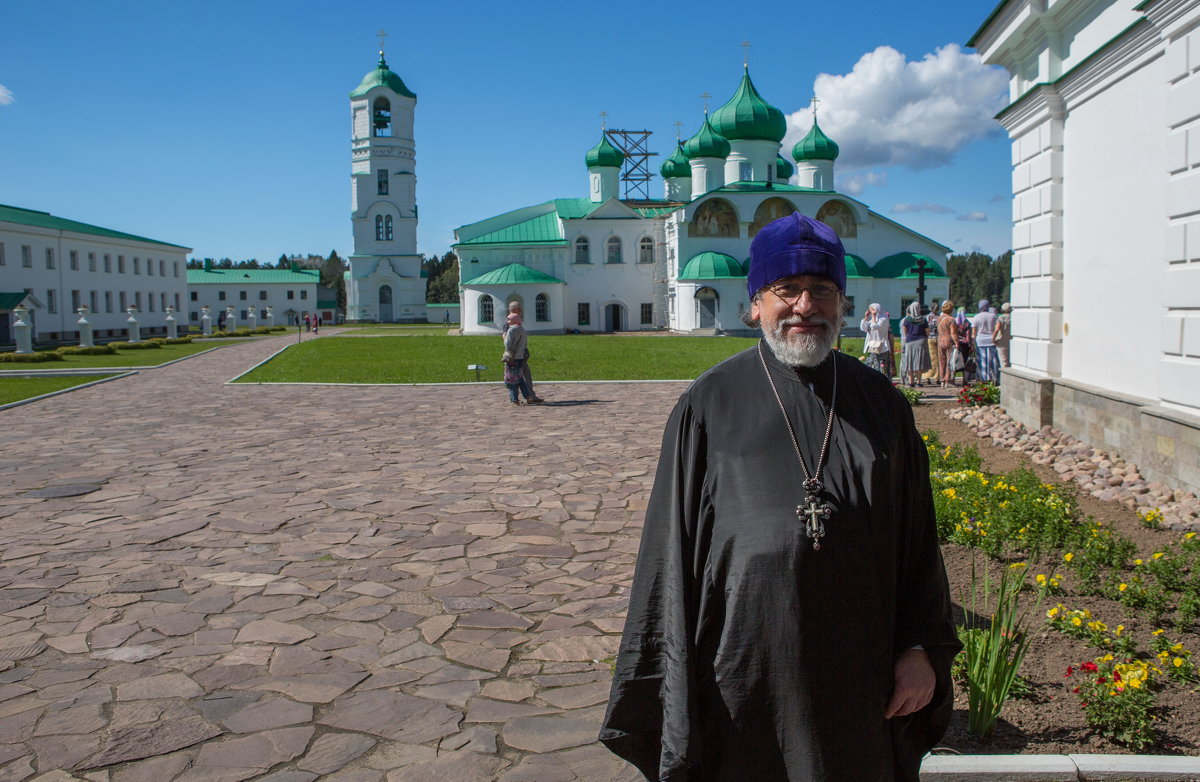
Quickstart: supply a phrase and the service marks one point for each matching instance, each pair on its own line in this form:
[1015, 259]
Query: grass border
[19, 402]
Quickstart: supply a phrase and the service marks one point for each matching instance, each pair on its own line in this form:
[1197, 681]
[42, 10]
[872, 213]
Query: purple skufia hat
[795, 245]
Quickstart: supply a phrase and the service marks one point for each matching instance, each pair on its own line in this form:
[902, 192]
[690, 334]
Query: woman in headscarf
[947, 338]
[875, 348]
[965, 345]
[915, 332]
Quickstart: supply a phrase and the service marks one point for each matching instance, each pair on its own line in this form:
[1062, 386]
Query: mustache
[796, 320]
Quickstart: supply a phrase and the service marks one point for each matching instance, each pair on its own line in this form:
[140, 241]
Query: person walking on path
[514, 374]
[915, 333]
[947, 341]
[1003, 333]
[789, 617]
[875, 347]
[983, 325]
[514, 308]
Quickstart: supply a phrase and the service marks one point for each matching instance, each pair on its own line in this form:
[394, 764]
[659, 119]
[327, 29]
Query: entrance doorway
[385, 303]
[706, 298]
[612, 317]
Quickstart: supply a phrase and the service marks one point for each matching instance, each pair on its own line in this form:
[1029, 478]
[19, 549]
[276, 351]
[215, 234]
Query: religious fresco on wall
[771, 209]
[715, 217]
[838, 216]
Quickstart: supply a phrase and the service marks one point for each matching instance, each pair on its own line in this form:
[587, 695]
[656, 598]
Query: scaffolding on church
[635, 174]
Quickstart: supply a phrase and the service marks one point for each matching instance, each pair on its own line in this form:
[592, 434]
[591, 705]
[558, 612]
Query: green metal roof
[574, 208]
[543, 229]
[815, 146]
[676, 165]
[604, 154]
[513, 274]
[9, 300]
[765, 187]
[900, 265]
[655, 211]
[857, 267]
[748, 116]
[783, 169]
[712, 266]
[15, 214]
[252, 276]
[706, 143]
[382, 76]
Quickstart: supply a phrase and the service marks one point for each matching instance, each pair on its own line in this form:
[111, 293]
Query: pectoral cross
[813, 512]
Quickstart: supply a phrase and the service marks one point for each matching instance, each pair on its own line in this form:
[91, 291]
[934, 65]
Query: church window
[137, 300]
[137, 265]
[27, 256]
[646, 250]
[51, 301]
[382, 176]
[49, 257]
[120, 264]
[387, 228]
[149, 301]
[541, 308]
[647, 313]
[303, 293]
[175, 265]
[74, 258]
[220, 296]
[241, 295]
[582, 250]
[92, 301]
[91, 262]
[108, 301]
[745, 171]
[584, 314]
[262, 295]
[486, 309]
[195, 296]
[75, 301]
[149, 267]
[612, 252]
[291, 294]
[162, 268]
[107, 264]
[124, 301]
[379, 228]
[381, 118]
[176, 302]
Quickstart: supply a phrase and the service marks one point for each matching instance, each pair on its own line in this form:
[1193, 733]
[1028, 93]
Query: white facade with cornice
[1105, 128]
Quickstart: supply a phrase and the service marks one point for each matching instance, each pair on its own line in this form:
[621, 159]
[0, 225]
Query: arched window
[646, 250]
[582, 251]
[541, 308]
[381, 118]
[387, 228]
[379, 228]
[486, 311]
[612, 250]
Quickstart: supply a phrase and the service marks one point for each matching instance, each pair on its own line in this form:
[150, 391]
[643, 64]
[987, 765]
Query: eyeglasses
[790, 292]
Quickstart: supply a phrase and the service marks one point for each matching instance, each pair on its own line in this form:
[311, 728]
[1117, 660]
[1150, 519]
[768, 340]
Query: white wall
[304, 299]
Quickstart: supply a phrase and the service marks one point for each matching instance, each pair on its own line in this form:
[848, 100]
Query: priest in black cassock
[790, 618]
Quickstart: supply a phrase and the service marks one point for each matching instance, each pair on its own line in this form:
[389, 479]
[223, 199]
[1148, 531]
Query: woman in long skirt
[876, 345]
[915, 331]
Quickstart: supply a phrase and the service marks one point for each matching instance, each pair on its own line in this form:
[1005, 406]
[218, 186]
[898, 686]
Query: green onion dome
[783, 169]
[676, 165]
[382, 77]
[712, 266]
[815, 146]
[604, 154]
[747, 116]
[706, 143]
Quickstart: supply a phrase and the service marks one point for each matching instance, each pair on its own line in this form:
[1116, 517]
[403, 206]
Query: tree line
[975, 276]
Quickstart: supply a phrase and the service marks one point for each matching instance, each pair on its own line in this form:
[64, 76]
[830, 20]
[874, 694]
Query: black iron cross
[920, 270]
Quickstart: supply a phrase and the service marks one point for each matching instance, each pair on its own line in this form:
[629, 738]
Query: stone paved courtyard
[411, 584]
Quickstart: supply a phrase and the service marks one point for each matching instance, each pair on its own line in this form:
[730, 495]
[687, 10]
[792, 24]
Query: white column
[85, 328]
[205, 321]
[172, 327]
[23, 330]
[251, 318]
[135, 330]
[270, 316]
[230, 319]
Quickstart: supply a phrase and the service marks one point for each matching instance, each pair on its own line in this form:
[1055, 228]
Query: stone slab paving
[293, 582]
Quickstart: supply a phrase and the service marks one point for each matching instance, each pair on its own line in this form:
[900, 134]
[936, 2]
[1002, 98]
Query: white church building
[1105, 126]
[384, 282]
[606, 263]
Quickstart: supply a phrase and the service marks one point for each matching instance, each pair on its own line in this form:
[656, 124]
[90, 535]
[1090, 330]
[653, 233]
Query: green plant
[950, 458]
[1173, 658]
[149, 344]
[1151, 517]
[993, 654]
[178, 341]
[1080, 623]
[94, 350]
[979, 394]
[912, 395]
[37, 357]
[1117, 700]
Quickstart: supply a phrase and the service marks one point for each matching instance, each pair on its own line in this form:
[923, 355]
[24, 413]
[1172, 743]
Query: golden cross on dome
[381, 35]
[745, 53]
[604, 120]
[678, 130]
[706, 96]
[815, 100]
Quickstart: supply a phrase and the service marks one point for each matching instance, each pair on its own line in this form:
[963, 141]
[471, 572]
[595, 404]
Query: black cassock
[747, 656]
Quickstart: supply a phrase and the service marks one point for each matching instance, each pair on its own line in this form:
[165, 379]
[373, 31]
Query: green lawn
[14, 389]
[124, 358]
[394, 329]
[444, 359]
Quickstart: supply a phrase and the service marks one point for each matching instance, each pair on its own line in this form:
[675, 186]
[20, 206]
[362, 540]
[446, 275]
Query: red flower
[1116, 676]
[1101, 679]
[1070, 670]
[1076, 691]
[1090, 667]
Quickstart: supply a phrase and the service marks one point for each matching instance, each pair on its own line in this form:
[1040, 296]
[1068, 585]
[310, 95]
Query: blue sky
[224, 126]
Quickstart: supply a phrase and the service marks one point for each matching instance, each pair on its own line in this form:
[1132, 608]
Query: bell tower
[384, 281]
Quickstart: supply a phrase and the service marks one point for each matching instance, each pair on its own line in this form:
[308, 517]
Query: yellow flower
[1120, 629]
[1178, 661]
[1189, 536]
[1076, 621]
[1068, 557]
[1158, 555]
[1137, 562]
[1159, 631]
[1016, 565]
[1122, 587]
[1041, 578]
[1053, 612]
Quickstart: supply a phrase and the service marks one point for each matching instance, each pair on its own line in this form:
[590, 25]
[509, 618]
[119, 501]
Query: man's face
[799, 327]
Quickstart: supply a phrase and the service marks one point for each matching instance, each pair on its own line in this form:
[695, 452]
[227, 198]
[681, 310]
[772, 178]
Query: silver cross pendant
[813, 512]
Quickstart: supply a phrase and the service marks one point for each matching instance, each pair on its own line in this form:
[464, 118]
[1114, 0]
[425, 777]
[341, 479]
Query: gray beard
[800, 350]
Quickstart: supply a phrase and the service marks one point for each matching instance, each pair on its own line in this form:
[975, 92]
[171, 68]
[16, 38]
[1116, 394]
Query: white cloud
[973, 217]
[6, 96]
[999, 197]
[854, 184]
[940, 209]
[889, 111]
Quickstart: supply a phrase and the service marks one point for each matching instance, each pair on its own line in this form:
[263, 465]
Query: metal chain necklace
[814, 511]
